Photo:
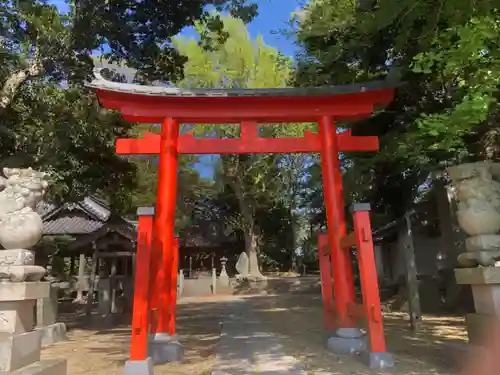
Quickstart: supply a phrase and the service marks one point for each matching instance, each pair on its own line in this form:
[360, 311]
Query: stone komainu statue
[20, 226]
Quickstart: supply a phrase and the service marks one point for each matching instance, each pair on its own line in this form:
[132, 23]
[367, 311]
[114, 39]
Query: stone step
[53, 333]
[19, 350]
[47, 367]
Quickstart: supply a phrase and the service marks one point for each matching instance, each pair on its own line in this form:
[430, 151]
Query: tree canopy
[239, 62]
[45, 58]
[446, 113]
[445, 51]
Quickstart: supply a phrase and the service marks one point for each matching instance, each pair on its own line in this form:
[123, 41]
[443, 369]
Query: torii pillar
[248, 107]
[164, 346]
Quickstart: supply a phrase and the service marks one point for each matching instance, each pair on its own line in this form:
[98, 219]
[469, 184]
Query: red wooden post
[140, 317]
[165, 217]
[368, 276]
[173, 287]
[326, 282]
[154, 293]
[332, 185]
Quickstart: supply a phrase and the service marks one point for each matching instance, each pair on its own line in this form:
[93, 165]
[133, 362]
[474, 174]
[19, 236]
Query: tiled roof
[90, 205]
[71, 225]
[97, 207]
[87, 221]
[84, 217]
[101, 83]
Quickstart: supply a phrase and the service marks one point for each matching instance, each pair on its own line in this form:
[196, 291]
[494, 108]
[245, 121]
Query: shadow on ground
[292, 324]
[298, 320]
[101, 347]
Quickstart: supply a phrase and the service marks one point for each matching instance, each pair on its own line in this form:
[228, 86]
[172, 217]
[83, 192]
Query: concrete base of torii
[164, 348]
[144, 367]
[354, 342]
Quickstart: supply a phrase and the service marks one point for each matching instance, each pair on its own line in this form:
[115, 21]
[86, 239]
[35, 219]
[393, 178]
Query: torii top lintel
[152, 104]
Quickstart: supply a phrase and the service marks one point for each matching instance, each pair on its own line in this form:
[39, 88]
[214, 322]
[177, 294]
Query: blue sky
[273, 17]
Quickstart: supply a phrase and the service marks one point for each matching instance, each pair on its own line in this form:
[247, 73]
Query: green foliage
[445, 51]
[63, 132]
[467, 61]
[262, 184]
[192, 190]
[50, 121]
[238, 62]
[36, 36]
[141, 33]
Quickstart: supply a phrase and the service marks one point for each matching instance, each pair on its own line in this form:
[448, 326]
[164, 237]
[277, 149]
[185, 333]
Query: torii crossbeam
[249, 108]
[248, 143]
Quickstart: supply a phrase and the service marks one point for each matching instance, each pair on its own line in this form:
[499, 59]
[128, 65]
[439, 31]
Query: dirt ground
[104, 350]
[297, 319]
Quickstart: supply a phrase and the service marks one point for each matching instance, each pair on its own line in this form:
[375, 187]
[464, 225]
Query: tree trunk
[249, 228]
[293, 254]
[16, 79]
[292, 180]
[411, 277]
[248, 223]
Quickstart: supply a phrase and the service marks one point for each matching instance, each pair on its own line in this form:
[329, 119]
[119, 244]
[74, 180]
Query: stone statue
[20, 226]
[242, 266]
[248, 267]
[478, 214]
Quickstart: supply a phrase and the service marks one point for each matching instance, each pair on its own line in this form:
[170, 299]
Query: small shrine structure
[156, 265]
[104, 245]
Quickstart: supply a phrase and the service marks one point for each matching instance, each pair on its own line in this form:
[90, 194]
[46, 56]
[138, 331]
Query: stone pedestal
[144, 367]
[164, 348]
[477, 189]
[20, 343]
[347, 341]
[53, 333]
[46, 316]
[354, 342]
[485, 284]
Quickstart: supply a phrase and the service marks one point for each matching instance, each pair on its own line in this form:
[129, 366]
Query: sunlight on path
[247, 348]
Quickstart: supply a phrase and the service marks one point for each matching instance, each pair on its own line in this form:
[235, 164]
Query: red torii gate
[249, 107]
